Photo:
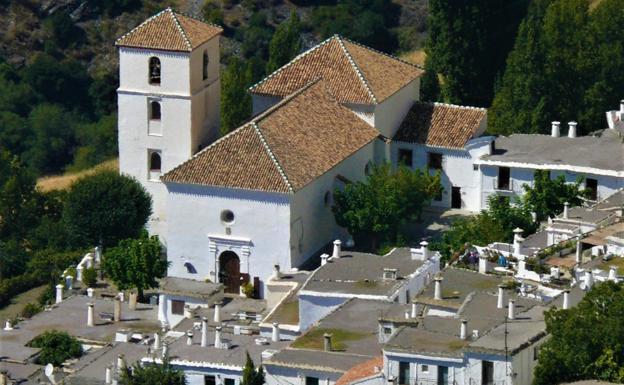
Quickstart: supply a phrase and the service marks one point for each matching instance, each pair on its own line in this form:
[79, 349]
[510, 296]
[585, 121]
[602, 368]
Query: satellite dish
[49, 370]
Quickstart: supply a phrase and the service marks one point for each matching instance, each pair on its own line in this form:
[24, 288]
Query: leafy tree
[103, 92]
[89, 277]
[376, 208]
[105, 207]
[13, 259]
[56, 347]
[429, 83]
[15, 95]
[136, 263]
[257, 36]
[576, 348]
[547, 196]
[212, 12]
[235, 100]
[468, 44]
[62, 30]
[15, 133]
[251, 375]
[48, 265]
[98, 142]
[285, 44]
[149, 374]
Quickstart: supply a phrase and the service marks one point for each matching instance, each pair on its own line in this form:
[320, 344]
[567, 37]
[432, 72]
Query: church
[231, 209]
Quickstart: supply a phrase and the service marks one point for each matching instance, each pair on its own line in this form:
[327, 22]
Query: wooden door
[229, 272]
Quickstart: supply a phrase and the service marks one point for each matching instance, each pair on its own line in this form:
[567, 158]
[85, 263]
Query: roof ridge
[294, 60]
[284, 101]
[272, 156]
[356, 68]
[177, 23]
[382, 53]
[142, 24]
[455, 105]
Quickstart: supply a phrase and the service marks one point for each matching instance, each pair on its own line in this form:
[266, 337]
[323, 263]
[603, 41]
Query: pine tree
[251, 375]
[285, 44]
[429, 85]
[235, 100]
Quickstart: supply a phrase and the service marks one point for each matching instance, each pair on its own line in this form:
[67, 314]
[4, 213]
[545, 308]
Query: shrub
[89, 277]
[30, 310]
[248, 289]
[56, 347]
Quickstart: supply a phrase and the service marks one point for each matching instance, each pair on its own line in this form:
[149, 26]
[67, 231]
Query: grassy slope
[62, 182]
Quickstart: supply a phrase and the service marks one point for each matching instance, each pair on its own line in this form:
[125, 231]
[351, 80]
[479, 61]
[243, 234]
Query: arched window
[154, 70]
[154, 110]
[205, 62]
[155, 161]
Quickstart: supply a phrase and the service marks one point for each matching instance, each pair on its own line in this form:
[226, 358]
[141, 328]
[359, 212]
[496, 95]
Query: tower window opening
[154, 71]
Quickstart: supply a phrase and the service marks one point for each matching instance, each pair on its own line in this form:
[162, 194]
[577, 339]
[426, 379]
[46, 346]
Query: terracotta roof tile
[441, 125]
[169, 31]
[363, 370]
[353, 73]
[303, 136]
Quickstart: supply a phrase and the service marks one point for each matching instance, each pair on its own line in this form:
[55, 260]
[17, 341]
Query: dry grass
[314, 339]
[416, 56]
[593, 4]
[287, 313]
[63, 182]
[617, 262]
[19, 301]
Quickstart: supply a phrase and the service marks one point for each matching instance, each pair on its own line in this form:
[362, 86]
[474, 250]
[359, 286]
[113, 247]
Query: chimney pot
[156, 341]
[327, 337]
[555, 129]
[500, 303]
[566, 207]
[464, 329]
[7, 325]
[566, 299]
[275, 336]
[217, 312]
[108, 379]
[90, 316]
[613, 274]
[218, 343]
[69, 282]
[511, 314]
[189, 337]
[621, 108]
[438, 288]
[204, 331]
[572, 129]
[578, 250]
[589, 279]
[324, 258]
[117, 310]
[121, 363]
[337, 249]
[59, 293]
[424, 245]
[414, 310]
[276, 271]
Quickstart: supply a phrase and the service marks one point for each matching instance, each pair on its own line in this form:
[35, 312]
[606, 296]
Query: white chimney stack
[566, 299]
[572, 129]
[613, 274]
[424, 246]
[337, 249]
[7, 325]
[589, 279]
[156, 341]
[187, 311]
[217, 341]
[517, 240]
[555, 129]
[117, 310]
[204, 331]
[189, 337]
[463, 330]
[511, 311]
[276, 271]
[621, 111]
[578, 250]
[324, 258]
[438, 288]
[98, 254]
[501, 295]
[4, 380]
[566, 207]
[327, 342]
[59, 293]
[414, 310]
[90, 292]
[217, 312]
[121, 363]
[108, 379]
[275, 336]
[165, 349]
[90, 321]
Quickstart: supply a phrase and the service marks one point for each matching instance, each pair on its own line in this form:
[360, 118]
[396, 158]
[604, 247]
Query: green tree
[235, 100]
[373, 210]
[213, 13]
[105, 207]
[576, 348]
[136, 263]
[251, 375]
[285, 44]
[56, 347]
[62, 30]
[162, 374]
[97, 142]
[547, 196]
[468, 44]
[429, 83]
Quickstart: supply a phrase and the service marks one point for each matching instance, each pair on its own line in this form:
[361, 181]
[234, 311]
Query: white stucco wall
[259, 235]
[195, 374]
[313, 308]
[279, 375]
[417, 373]
[390, 113]
[164, 308]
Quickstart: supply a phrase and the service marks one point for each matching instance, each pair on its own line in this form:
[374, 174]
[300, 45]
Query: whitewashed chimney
[90, 292]
[621, 111]
[517, 240]
[500, 303]
[337, 249]
[275, 336]
[98, 254]
[424, 247]
[438, 288]
[566, 299]
[69, 282]
[156, 341]
[511, 310]
[59, 293]
[4, 377]
[117, 310]
[327, 342]
[122, 296]
[613, 274]
[217, 342]
[79, 273]
[555, 129]
[414, 310]
[188, 313]
[589, 279]
[217, 312]
[7, 325]
[165, 349]
[132, 301]
[189, 337]
[566, 207]
[121, 363]
[276, 272]
[89, 261]
[572, 129]
[204, 331]
[464, 329]
[324, 258]
[108, 378]
[90, 315]
[484, 264]
[578, 250]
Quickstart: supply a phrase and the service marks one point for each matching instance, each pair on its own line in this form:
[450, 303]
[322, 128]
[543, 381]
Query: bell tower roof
[169, 31]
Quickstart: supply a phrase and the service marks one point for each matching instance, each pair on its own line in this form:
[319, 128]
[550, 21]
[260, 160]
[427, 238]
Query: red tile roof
[363, 370]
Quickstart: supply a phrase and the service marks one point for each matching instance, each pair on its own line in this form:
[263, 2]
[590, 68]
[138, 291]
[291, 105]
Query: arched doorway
[229, 271]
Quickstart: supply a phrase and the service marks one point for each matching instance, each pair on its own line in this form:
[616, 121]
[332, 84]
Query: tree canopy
[235, 100]
[56, 347]
[148, 374]
[547, 196]
[136, 263]
[251, 375]
[375, 209]
[585, 341]
[106, 207]
[285, 44]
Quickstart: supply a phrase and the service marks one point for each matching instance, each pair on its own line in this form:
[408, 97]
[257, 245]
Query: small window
[405, 157]
[434, 161]
[327, 199]
[535, 353]
[205, 63]
[177, 307]
[424, 368]
[229, 381]
[387, 330]
[592, 185]
[154, 71]
[475, 167]
[227, 217]
[155, 163]
[504, 176]
[311, 381]
[210, 380]
[154, 110]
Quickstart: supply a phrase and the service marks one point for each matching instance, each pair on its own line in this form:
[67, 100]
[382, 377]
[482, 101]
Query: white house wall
[390, 113]
[195, 374]
[165, 307]
[313, 308]
[260, 229]
[279, 375]
[419, 376]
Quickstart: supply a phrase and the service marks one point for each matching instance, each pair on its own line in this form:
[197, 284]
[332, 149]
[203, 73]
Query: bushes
[13, 286]
[89, 277]
[30, 310]
[56, 347]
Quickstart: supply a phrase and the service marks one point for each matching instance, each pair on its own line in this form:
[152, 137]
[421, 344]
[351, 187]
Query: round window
[227, 216]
